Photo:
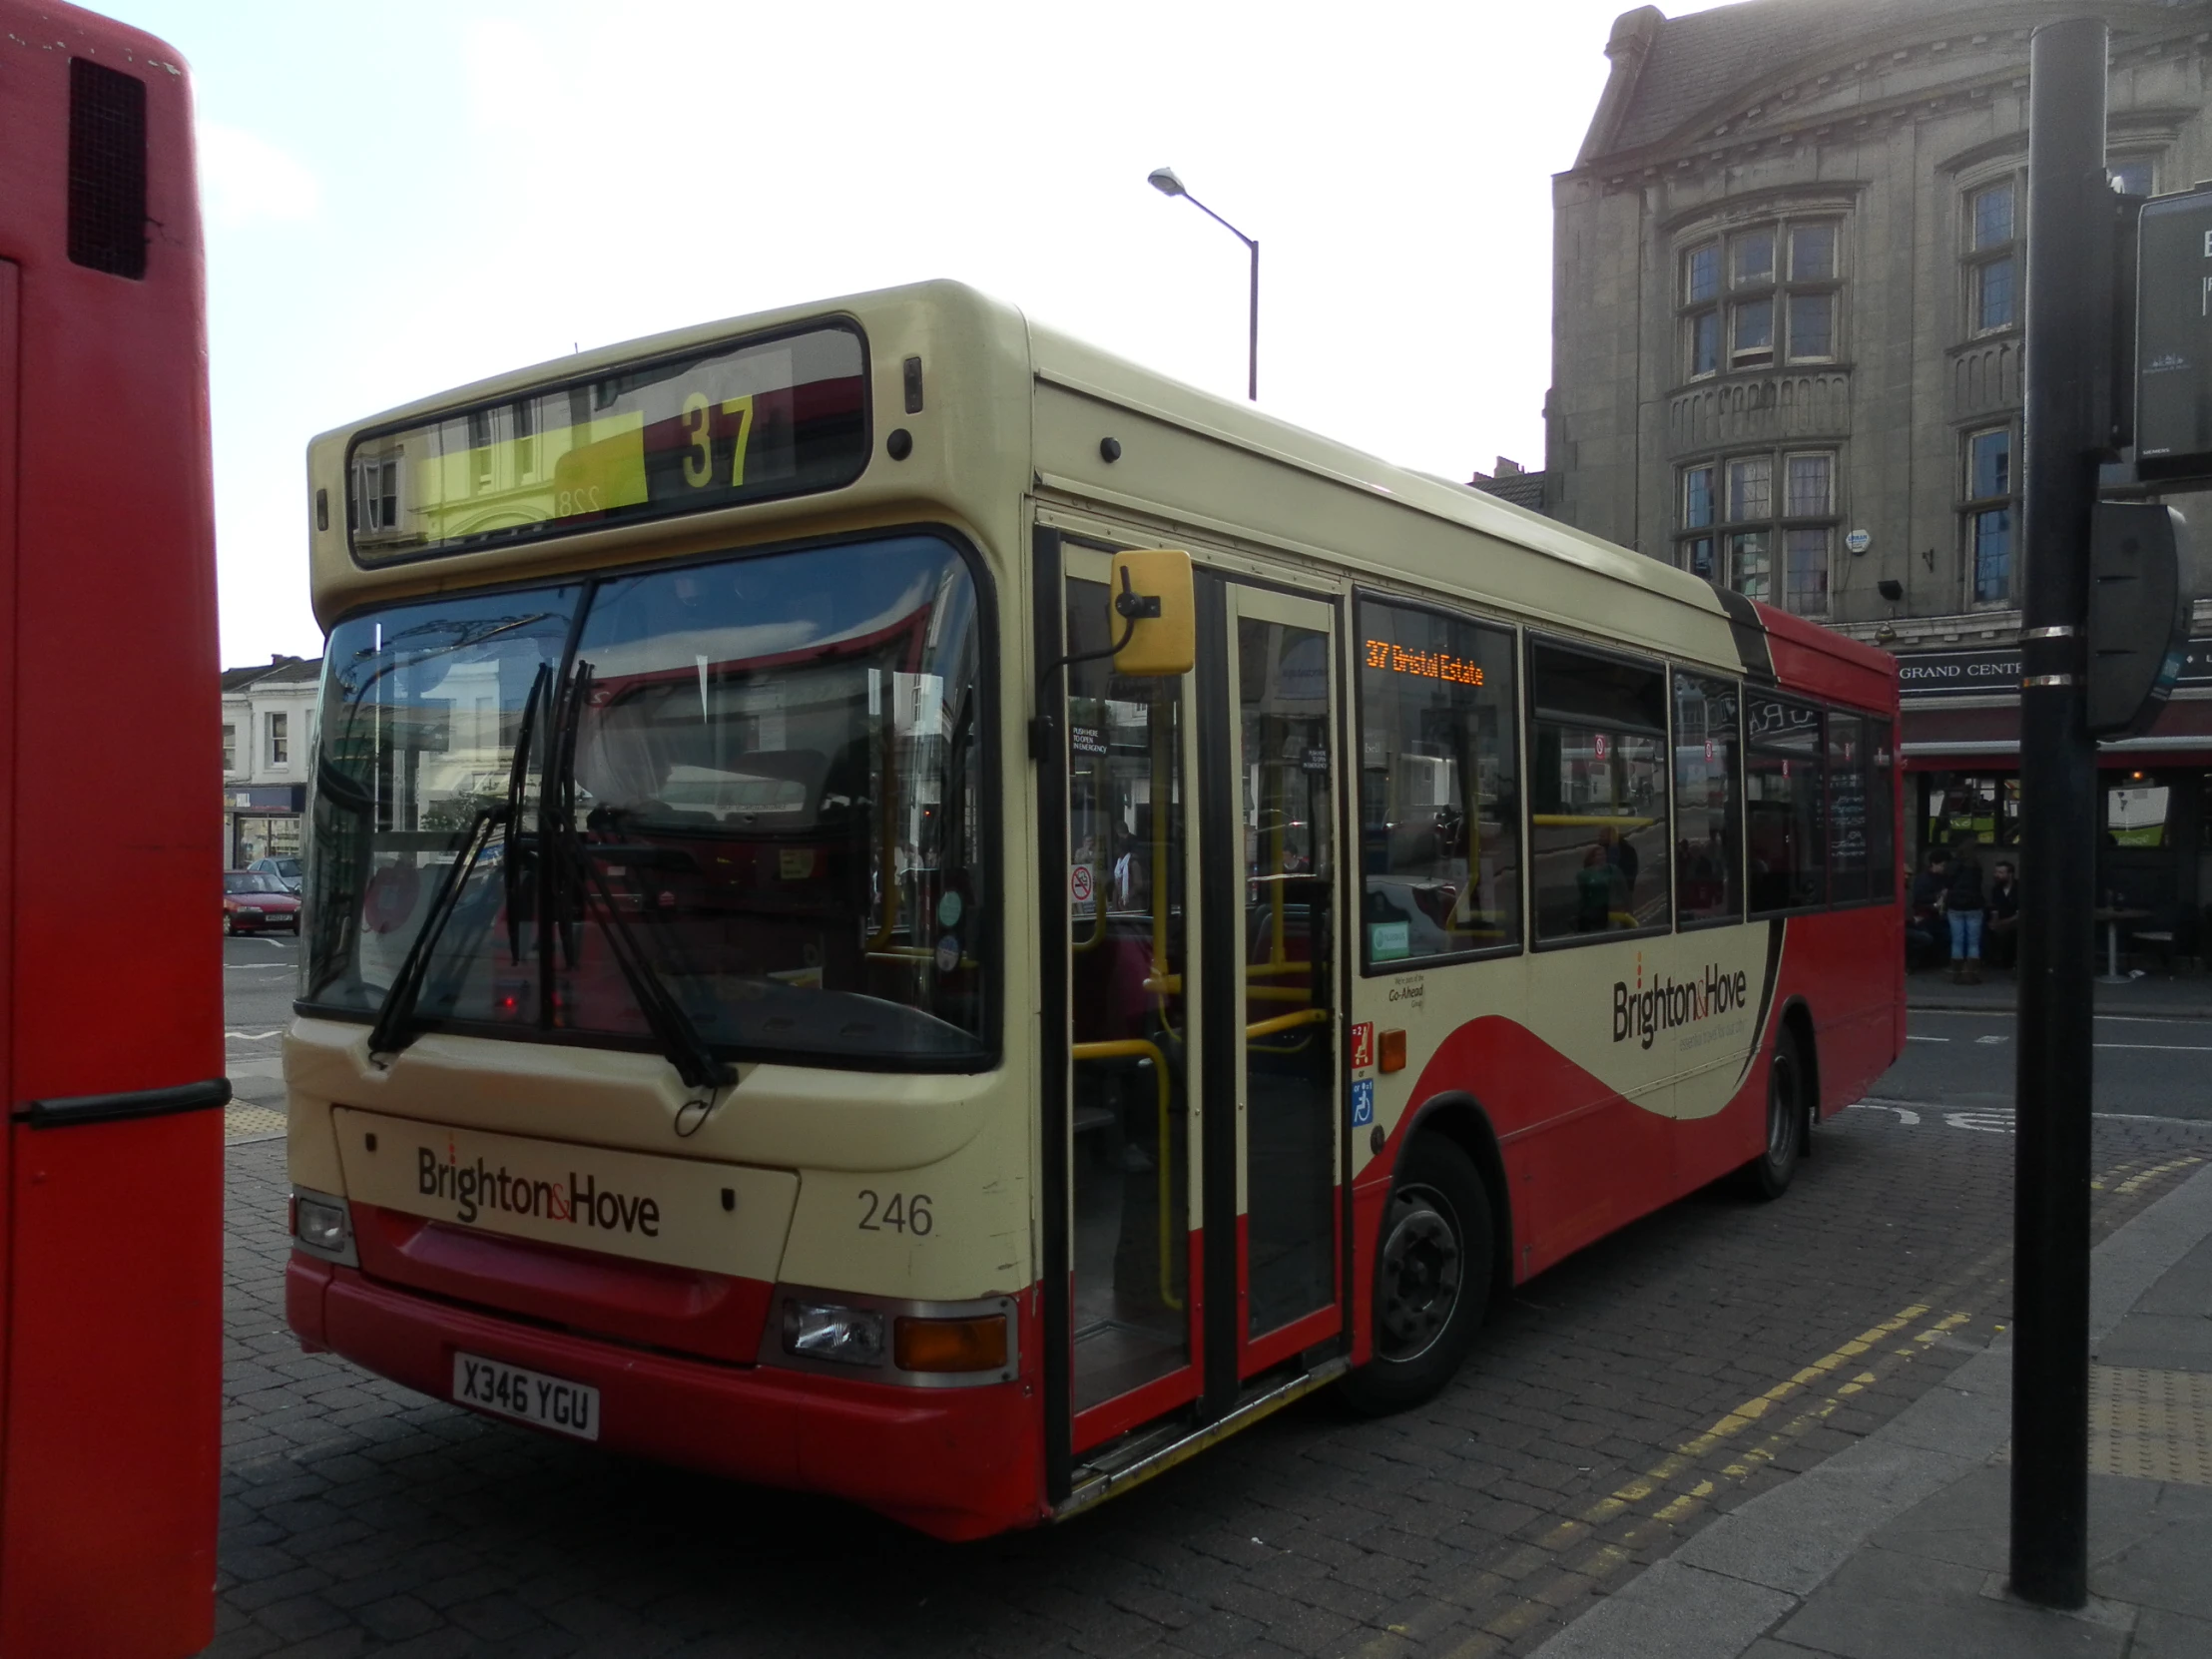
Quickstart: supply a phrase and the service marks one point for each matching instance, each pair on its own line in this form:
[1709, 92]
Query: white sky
[407, 195]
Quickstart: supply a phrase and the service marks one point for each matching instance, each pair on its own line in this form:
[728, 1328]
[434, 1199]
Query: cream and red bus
[901, 907]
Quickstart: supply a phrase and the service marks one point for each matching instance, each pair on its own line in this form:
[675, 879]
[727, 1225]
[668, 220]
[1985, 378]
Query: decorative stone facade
[1787, 293]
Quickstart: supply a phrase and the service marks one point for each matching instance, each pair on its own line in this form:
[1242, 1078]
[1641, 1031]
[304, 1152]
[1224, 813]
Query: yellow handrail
[1287, 1023]
[1588, 820]
[1136, 1048]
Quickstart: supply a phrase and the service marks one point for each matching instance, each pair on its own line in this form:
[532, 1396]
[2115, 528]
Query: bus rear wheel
[1431, 1280]
[1768, 1176]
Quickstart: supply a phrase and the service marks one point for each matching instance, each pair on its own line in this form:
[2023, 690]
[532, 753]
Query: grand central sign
[1995, 671]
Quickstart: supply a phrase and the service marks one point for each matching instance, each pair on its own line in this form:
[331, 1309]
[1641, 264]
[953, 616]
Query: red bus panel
[111, 1167]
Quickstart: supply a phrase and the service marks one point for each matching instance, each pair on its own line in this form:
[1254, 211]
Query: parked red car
[255, 904]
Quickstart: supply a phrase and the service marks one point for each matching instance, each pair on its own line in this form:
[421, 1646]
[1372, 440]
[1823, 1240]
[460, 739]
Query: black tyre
[1432, 1279]
[1788, 1107]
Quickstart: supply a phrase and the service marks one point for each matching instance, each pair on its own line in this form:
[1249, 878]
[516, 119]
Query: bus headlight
[323, 1226]
[827, 1331]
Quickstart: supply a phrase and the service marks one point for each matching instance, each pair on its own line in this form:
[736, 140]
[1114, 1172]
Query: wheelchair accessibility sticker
[1363, 1102]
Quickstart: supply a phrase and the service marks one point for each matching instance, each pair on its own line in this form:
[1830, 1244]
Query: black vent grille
[106, 168]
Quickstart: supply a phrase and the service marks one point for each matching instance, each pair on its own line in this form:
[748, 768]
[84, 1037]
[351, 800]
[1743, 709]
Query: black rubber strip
[1752, 649]
[74, 1110]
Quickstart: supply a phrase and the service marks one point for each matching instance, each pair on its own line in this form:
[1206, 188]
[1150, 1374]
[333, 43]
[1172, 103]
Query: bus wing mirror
[1154, 618]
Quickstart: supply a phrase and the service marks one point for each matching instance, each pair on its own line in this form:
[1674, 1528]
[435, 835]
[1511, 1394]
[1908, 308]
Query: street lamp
[1163, 179]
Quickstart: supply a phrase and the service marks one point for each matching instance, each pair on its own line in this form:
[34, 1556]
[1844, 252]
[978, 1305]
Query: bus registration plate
[526, 1396]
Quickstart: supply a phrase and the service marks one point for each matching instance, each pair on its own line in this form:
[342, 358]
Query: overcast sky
[412, 194]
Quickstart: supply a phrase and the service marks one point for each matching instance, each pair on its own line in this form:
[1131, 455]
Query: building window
[1988, 516]
[1695, 553]
[279, 740]
[229, 749]
[2132, 176]
[1780, 300]
[1993, 256]
[1738, 518]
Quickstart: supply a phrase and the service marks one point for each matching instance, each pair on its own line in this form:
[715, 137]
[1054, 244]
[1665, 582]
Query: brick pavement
[1615, 1407]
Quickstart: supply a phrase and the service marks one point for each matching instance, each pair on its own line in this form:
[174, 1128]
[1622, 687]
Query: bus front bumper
[956, 1464]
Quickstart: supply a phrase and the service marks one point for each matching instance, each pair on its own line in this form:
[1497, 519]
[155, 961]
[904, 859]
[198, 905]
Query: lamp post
[1163, 179]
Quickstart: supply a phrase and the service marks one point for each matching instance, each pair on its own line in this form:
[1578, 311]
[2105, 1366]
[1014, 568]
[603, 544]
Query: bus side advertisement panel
[1626, 1071]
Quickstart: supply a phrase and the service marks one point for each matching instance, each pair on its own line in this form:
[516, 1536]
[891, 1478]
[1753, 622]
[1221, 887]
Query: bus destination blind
[740, 422]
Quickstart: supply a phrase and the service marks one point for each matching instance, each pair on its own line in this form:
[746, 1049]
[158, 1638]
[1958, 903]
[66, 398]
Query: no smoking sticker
[1079, 888]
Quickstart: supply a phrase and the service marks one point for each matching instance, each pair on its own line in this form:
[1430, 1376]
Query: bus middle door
[1269, 807]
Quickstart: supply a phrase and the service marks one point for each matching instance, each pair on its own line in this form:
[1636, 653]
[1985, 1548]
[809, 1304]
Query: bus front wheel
[1431, 1280]
[1788, 1112]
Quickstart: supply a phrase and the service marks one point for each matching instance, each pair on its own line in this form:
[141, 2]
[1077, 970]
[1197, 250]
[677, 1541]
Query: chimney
[1509, 469]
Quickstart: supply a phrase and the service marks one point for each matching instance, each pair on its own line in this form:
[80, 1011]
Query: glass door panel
[1283, 730]
[1129, 1135]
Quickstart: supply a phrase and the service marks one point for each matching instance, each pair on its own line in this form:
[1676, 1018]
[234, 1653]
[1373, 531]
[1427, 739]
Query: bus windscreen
[767, 779]
[765, 417]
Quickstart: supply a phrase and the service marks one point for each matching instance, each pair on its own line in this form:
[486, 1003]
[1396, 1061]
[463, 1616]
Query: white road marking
[1915, 1107]
[2014, 1013]
[1988, 1040]
[2162, 1048]
[1916, 1037]
[1906, 1114]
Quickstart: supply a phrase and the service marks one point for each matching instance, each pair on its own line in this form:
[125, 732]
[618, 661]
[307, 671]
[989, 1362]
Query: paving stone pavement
[1615, 1405]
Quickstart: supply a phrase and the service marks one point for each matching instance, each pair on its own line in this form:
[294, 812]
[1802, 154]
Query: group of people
[1954, 911]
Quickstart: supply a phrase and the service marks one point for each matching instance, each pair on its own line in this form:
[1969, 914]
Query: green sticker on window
[1390, 940]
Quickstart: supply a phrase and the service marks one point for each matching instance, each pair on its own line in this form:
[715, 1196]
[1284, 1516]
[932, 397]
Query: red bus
[111, 1172]
[901, 907]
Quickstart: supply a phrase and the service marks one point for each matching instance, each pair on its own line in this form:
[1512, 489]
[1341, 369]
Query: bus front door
[1268, 764]
[1198, 1125]
[1133, 1316]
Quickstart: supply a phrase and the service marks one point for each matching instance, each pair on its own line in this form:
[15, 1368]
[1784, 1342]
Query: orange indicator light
[1392, 1044]
[950, 1345]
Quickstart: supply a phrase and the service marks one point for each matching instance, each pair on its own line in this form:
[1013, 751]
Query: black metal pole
[1252, 387]
[2068, 313]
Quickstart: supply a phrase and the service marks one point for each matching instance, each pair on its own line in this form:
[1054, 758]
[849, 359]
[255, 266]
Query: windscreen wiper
[510, 867]
[677, 1035]
[394, 1027]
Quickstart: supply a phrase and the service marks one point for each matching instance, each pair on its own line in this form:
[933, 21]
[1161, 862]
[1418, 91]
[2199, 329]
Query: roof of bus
[1059, 358]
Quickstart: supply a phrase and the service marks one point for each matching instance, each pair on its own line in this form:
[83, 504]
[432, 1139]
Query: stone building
[1786, 342]
[268, 715]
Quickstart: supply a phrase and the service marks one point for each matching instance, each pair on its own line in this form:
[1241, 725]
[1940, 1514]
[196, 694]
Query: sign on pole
[2173, 338]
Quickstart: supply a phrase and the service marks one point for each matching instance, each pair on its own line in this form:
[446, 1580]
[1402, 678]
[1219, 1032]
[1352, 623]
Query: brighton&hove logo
[1645, 1011]
[476, 1187]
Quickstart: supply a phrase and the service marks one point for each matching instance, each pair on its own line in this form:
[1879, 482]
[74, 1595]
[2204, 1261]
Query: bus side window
[1597, 794]
[1708, 800]
[1784, 831]
[1846, 809]
[1881, 849]
[1439, 808]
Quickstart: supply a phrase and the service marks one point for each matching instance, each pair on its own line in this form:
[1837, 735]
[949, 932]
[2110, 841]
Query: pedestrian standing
[1963, 903]
[2001, 927]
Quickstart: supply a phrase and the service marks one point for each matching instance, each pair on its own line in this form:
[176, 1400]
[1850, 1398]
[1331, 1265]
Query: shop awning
[1953, 736]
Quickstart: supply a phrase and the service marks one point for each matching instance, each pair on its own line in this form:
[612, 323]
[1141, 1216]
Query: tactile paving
[251, 1123]
[2153, 1425]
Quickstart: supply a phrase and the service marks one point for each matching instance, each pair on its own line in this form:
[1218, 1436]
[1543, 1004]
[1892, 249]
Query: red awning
[1934, 737]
